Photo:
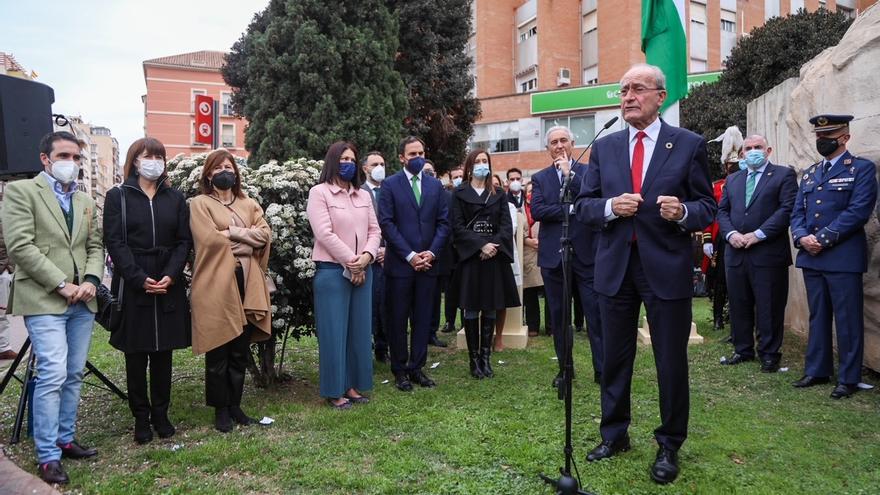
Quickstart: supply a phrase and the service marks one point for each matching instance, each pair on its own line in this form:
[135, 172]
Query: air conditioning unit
[564, 77]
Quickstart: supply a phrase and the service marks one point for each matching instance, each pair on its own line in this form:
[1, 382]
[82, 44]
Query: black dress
[159, 241]
[484, 285]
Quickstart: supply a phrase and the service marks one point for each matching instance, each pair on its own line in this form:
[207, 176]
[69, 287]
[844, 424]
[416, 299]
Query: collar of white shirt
[409, 176]
[652, 131]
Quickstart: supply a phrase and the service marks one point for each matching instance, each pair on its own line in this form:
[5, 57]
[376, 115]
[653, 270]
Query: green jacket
[44, 250]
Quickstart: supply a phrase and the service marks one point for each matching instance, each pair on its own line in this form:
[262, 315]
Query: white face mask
[456, 181]
[65, 171]
[378, 173]
[151, 169]
[515, 186]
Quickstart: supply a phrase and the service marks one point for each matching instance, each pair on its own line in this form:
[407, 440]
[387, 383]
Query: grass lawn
[750, 433]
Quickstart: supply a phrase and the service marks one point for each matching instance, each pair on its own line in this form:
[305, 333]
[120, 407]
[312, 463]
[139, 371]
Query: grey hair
[758, 137]
[659, 76]
[554, 129]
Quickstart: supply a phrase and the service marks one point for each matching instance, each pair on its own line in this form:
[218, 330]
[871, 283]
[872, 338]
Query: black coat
[446, 257]
[483, 285]
[159, 242]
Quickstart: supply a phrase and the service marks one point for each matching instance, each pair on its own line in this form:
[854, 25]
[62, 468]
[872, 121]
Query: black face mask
[223, 180]
[826, 146]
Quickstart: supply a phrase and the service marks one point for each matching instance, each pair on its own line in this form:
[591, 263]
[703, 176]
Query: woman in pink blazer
[346, 241]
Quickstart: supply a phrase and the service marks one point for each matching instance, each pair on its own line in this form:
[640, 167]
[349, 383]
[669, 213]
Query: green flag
[665, 45]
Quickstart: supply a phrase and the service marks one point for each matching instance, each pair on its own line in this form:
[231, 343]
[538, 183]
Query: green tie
[750, 186]
[416, 191]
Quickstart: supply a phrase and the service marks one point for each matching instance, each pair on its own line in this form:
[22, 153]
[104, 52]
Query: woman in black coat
[148, 264]
[483, 233]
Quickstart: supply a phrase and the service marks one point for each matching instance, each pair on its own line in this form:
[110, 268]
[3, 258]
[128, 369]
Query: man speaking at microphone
[548, 209]
[647, 187]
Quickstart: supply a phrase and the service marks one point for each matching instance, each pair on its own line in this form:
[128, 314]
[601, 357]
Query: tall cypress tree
[315, 73]
[433, 63]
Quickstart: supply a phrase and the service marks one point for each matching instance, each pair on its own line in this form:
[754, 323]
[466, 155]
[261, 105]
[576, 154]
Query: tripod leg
[11, 371]
[22, 401]
[113, 388]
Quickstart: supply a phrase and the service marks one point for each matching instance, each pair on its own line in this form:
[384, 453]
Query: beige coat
[218, 313]
[531, 271]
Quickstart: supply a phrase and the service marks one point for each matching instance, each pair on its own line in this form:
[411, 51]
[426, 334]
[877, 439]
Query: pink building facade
[169, 114]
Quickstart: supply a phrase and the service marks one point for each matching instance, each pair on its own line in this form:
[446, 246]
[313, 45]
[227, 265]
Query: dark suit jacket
[769, 211]
[678, 168]
[517, 202]
[547, 209]
[407, 226]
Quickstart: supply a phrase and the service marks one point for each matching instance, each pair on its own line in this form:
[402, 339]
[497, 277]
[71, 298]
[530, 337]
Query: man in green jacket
[53, 236]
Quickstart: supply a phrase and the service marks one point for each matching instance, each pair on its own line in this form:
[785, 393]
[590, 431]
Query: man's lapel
[81, 213]
[52, 204]
[766, 177]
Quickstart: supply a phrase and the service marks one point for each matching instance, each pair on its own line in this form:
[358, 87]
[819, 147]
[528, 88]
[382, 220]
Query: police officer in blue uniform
[834, 201]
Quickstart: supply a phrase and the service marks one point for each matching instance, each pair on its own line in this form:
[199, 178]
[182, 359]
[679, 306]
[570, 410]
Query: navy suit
[757, 277]
[645, 258]
[547, 209]
[409, 226]
[835, 206]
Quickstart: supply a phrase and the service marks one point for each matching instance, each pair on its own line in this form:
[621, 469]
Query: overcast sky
[91, 51]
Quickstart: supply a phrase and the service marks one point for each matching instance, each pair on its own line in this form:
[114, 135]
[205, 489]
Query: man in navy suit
[547, 209]
[648, 188]
[753, 218]
[834, 202]
[414, 220]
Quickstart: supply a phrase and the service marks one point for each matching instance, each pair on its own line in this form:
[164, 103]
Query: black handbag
[109, 313]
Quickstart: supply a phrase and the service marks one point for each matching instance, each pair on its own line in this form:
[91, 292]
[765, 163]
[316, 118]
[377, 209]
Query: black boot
[142, 431]
[487, 329]
[472, 336]
[222, 420]
[240, 417]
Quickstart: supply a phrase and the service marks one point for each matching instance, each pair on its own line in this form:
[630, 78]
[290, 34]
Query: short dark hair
[331, 164]
[152, 146]
[48, 141]
[371, 153]
[408, 140]
[514, 169]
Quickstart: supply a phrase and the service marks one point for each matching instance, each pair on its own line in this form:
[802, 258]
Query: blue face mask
[742, 164]
[414, 165]
[481, 170]
[346, 171]
[755, 158]
[456, 181]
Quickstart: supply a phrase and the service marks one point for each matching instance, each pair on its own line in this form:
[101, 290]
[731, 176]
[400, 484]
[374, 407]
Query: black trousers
[225, 366]
[380, 337]
[532, 309]
[758, 295]
[154, 403]
[717, 281]
[670, 323]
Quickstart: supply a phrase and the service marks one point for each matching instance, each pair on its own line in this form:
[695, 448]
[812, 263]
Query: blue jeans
[61, 345]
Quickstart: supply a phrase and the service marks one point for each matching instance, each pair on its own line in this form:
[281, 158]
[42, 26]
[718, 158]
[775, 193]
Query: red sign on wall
[204, 119]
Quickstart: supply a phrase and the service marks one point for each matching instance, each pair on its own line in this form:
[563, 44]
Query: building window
[226, 104]
[582, 126]
[591, 75]
[728, 26]
[192, 98]
[848, 12]
[528, 32]
[499, 137]
[771, 9]
[227, 135]
[528, 86]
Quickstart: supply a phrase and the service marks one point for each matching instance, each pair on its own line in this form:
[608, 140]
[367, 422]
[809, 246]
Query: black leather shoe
[665, 468]
[448, 327]
[402, 383]
[557, 381]
[436, 342]
[737, 359]
[809, 381]
[240, 417]
[52, 473]
[608, 449]
[163, 426]
[74, 450]
[421, 378]
[769, 365]
[222, 420]
[142, 431]
[843, 390]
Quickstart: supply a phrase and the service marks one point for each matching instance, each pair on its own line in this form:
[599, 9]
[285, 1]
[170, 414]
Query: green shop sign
[602, 96]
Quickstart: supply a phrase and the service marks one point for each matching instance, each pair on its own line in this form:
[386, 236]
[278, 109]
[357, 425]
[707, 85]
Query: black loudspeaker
[25, 117]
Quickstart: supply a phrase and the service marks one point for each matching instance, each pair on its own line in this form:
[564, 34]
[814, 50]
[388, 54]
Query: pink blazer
[343, 223]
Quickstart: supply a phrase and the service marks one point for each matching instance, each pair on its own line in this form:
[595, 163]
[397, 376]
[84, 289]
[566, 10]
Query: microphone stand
[568, 484]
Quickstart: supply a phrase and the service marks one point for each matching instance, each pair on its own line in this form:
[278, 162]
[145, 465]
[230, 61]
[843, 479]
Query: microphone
[571, 174]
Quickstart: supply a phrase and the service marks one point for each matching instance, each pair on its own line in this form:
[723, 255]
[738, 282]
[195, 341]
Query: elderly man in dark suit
[648, 188]
[753, 218]
[413, 214]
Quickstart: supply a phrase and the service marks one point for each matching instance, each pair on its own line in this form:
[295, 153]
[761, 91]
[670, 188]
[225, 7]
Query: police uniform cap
[828, 122]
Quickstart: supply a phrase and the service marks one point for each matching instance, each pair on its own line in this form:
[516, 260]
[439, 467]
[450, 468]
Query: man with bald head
[753, 218]
[647, 187]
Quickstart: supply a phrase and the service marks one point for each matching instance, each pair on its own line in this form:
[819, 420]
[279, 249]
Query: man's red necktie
[637, 161]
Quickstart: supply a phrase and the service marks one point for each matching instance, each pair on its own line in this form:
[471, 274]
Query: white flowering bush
[282, 189]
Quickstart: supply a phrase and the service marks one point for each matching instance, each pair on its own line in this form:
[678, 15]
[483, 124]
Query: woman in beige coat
[230, 299]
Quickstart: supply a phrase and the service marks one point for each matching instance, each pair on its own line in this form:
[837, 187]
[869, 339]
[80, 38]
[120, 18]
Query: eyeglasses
[638, 90]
